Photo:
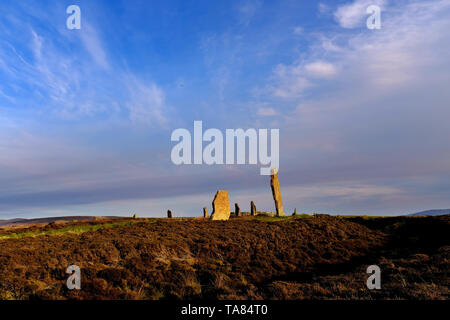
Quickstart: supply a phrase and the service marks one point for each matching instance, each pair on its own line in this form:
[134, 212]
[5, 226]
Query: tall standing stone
[205, 212]
[276, 192]
[252, 209]
[221, 206]
[237, 210]
[169, 214]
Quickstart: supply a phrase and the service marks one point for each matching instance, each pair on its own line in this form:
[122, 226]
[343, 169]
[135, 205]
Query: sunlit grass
[283, 218]
[77, 229]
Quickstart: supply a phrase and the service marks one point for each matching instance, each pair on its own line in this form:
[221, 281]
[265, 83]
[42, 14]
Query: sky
[86, 115]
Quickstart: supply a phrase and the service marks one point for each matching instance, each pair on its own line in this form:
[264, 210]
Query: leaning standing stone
[221, 206]
[276, 192]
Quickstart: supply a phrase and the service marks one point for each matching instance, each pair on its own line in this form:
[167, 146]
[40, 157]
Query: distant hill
[436, 212]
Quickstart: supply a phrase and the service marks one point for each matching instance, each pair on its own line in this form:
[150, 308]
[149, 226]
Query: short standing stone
[295, 212]
[205, 212]
[169, 214]
[221, 206]
[135, 216]
[237, 210]
[252, 209]
[276, 192]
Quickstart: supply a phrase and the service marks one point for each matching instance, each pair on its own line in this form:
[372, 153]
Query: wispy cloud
[54, 80]
[323, 8]
[94, 46]
[247, 11]
[266, 112]
[320, 69]
[290, 81]
[351, 15]
[146, 102]
[298, 30]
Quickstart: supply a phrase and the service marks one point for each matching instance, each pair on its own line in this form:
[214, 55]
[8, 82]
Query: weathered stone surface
[205, 212]
[237, 210]
[135, 216]
[169, 214]
[276, 192]
[252, 209]
[295, 212]
[221, 206]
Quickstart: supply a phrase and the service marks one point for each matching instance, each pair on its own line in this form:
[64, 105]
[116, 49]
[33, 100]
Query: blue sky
[86, 115]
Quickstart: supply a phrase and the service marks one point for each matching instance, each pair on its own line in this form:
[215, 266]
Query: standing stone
[295, 212]
[169, 214]
[276, 192]
[205, 212]
[252, 209]
[221, 206]
[135, 216]
[237, 210]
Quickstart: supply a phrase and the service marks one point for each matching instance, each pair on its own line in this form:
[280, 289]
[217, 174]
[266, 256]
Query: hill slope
[435, 212]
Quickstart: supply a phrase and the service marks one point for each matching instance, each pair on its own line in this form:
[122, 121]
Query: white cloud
[37, 45]
[93, 45]
[146, 102]
[289, 84]
[75, 86]
[352, 14]
[247, 11]
[298, 30]
[323, 8]
[321, 69]
[266, 112]
[412, 43]
[51, 67]
[329, 45]
[290, 81]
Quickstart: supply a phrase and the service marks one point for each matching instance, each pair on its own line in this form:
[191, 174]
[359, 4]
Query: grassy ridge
[81, 228]
[283, 218]
[76, 229]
